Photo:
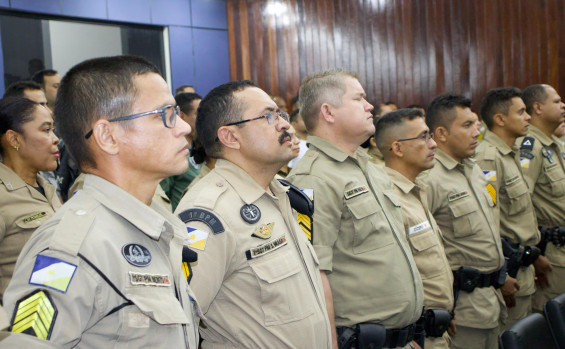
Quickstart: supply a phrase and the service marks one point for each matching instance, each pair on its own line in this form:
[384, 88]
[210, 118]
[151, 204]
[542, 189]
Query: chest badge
[264, 231]
[137, 255]
[548, 154]
[250, 213]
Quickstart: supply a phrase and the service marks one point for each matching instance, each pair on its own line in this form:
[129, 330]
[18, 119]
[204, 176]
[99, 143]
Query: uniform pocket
[427, 250]
[517, 197]
[158, 304]
[556, 180]
[371, 228]
[282, 293]
[463, 211]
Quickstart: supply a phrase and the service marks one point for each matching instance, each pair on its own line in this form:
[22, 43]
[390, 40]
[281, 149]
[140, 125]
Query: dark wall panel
[407, 51]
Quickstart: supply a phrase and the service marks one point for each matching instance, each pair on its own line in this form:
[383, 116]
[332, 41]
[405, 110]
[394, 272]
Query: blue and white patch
[52, 273]
[137, 255]
[490, 175]
[196, 238]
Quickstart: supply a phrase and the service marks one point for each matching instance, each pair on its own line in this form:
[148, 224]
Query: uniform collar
[448, 162]
[400, 181]
[149, 219]
[12, 182]
[334, 151]
[245, 186]
[539, 135]
[495, 140]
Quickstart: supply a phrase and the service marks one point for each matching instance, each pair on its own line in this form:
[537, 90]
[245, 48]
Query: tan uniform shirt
[545, 175]
[424, 237]
[462, 208]
[22, 210]
[257, 282]
[358, 235]
[376, 157]
[513, 202]
[111, 266]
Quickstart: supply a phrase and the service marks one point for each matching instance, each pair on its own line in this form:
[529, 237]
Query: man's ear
[106, 135]
[326, 111]
[537, 108]
[440, 134]
[396, 149]
[498, 119]
[229, 137]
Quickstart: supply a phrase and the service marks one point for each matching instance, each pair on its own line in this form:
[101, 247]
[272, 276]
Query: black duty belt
[374, 336]
[467, 279]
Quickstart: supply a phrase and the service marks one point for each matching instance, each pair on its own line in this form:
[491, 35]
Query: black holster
[436, 322]
[468, 278]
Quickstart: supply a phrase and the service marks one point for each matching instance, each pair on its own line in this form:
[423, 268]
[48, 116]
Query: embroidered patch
[492, 192]
[457, 196]
[419, 227]
[490, 175]
[207, 217]
[137, 279]
[137, 255]
[264, 231]
[196, 238]
[355, 191]
[305, 221]
[526, 154]
[250, 213]
[35, 216]
[265, 248]
[548, 154]
[35, 315]
[52, 272]
[309, 192]
[525, 163]
[511, 180]
[528, 143]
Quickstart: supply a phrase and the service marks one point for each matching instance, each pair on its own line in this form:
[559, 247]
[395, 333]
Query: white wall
[72, 43]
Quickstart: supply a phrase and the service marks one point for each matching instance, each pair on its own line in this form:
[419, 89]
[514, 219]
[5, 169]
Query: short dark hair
[390, 120]
[415, 106]
[14, 112]
[95, 89]
[497, 100]
[184, 101]
[39, 77]
[441, 110]
[294, 115]
[18, 88]
[532, 94]
[218, 108]
[182, 87]
[294, 100]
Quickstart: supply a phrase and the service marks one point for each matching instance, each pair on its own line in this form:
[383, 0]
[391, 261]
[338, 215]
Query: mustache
[283, 136]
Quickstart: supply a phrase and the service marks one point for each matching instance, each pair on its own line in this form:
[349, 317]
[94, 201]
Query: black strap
[298, 200]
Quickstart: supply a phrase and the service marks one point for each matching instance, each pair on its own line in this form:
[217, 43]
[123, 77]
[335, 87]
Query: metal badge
[548, 154]
[250, 213]
[137, 255]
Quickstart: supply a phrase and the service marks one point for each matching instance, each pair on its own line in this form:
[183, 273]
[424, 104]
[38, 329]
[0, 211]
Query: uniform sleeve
[328, 207]
[215, 261]
[54, 296]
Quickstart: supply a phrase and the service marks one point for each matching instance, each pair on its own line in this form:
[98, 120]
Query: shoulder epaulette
[213, 191]
[490, 153]
[527, 143]
[72, 229]
[304, 166]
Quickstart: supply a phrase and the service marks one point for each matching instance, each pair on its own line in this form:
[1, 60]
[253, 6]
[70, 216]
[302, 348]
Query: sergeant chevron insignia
[35, 315]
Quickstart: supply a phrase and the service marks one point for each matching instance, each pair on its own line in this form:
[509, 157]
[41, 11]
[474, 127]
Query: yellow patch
[35, 315]
[305, 223]
[492, 192]
[264, 231]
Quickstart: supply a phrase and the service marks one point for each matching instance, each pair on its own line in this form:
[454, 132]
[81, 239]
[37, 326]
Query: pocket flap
[554, 174]
[517, 190]
[462, 207]
[392, 197]
[276, 268]
[363, 208]
[423, 241]
[159, 305]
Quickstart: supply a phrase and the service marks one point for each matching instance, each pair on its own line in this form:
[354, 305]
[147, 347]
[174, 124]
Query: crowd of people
[130, 217]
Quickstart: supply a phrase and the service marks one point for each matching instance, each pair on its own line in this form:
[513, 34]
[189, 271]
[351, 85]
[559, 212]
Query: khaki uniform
[3, 319]
[159, 197]
[462, 208]
[204, 170]
[257, 282]
[376, 157]
[111, 267]
[545, 175]
[358, 235]
[22, 210]
[509, 191]
[424, 237]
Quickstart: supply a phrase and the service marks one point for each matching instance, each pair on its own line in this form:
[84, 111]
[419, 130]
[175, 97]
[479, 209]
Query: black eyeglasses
[426, 136]
[272, 118]
[168, 113]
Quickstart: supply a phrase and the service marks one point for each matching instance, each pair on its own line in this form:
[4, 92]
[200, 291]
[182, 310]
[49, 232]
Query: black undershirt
[40, 189]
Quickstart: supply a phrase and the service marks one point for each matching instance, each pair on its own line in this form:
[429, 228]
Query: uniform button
[163, 229]
[220, 184]
[80, 212]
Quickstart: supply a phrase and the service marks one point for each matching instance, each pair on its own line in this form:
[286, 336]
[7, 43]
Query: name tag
[149, 279]
[511, 180]
[355, 191]
[266, 248]
[419, 227]
[457, 196]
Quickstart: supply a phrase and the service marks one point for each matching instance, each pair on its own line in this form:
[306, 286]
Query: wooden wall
[407, 51]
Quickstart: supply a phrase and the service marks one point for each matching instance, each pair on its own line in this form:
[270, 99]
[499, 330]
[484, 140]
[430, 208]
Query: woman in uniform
[27, 146]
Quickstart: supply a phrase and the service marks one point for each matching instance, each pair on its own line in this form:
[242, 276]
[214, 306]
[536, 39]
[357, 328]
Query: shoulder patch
[52, 272]
[490, 175]
[526, 154]
[528, 143]
[204, 216]
[34, 315]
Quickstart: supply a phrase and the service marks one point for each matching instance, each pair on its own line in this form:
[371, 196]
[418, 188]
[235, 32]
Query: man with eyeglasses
[257, 279]
[505, 115]
[107, 269]
[463, 209]
[372, 285]
[408, 149]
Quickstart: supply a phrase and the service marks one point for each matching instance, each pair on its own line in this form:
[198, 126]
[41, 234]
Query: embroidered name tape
[355, 192]
[35, 216]
[511, 180]
[137, 279]
[419, 227]
[52, 272]
[266, 248]
[457, 196]
[526, 154]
